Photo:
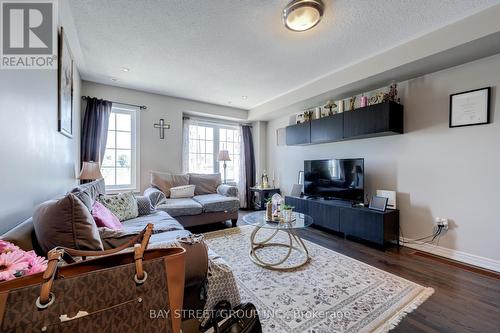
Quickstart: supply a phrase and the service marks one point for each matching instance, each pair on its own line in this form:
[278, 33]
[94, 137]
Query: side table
[260, 195]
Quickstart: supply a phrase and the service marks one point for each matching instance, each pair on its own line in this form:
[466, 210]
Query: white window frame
[216, 130]
[135, 149]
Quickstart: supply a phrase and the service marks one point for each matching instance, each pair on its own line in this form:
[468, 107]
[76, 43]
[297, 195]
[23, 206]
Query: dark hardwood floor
[464, 300]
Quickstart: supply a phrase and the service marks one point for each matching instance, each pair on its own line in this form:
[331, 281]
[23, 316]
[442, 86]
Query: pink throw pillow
[104, 217]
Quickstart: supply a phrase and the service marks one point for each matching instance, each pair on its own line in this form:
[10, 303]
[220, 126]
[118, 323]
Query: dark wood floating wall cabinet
[377, 228]
[327, 129]
[369, 121]
[299, 134]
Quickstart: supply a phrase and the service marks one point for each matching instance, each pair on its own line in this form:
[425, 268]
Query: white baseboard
[464, 257]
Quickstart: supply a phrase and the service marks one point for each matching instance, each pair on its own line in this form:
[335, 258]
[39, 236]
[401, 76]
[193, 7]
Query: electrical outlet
[443, 222]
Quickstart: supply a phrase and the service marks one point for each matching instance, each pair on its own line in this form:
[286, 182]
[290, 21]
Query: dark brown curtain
[249, 161]
[95, 130]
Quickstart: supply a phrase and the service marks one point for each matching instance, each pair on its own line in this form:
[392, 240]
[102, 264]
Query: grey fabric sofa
[221, 205]
[166, 231]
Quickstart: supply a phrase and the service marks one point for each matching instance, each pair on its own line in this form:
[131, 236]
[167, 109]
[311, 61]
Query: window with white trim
[120, 164]
[205, 142]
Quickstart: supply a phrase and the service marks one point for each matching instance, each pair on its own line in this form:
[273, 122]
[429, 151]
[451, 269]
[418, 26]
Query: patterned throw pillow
[123, 205]
[144, 205]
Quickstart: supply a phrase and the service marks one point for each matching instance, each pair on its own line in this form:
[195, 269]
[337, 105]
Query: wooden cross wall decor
[162, 127]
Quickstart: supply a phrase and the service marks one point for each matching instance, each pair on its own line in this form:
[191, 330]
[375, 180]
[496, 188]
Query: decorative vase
[265, 180]
[288, 214]
[269, 211]
[341, 106]
[277, 202]
[317, 113]
[363, 101]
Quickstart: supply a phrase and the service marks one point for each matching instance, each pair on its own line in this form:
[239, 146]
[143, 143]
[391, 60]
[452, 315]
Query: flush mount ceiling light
[125, 69]
[302, 15]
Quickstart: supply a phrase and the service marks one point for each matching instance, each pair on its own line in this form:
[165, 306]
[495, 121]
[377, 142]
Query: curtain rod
[216, 121]
[141, 107]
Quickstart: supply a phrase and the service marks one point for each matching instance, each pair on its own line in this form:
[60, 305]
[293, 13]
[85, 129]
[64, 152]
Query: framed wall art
[65, 89]
[470, 108]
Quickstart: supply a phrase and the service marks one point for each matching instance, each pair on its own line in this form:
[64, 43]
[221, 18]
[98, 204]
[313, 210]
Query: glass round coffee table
[258, 220]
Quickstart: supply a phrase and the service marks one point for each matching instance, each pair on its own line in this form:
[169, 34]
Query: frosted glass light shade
[302, 15]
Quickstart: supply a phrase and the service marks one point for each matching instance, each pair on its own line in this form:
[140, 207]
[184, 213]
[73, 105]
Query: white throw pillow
[184, 191]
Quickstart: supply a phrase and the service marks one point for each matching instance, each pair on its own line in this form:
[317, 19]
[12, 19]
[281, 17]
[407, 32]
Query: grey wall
[156, 154]
[437, 171]
[37, 162]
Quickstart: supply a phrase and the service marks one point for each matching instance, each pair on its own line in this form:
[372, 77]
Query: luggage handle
[57, 254]
[220, 311]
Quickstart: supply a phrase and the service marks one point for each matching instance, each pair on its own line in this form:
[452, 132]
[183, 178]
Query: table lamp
[90, 171]
[224, 156]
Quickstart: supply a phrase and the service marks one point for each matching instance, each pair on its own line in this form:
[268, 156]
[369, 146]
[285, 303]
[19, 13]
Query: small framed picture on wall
[470, 108]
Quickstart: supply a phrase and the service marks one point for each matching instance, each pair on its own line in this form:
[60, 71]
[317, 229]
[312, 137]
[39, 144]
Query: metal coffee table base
[294, 243]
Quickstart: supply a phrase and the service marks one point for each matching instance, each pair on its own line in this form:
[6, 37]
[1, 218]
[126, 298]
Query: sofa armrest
[155, 196]
[227, 190]
[21, 235]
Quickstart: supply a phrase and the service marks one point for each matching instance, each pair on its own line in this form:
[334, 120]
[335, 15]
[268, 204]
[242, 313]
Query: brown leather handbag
[113, 292]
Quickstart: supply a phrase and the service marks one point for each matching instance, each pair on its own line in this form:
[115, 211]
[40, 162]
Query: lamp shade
[223, 156]
[90, 171]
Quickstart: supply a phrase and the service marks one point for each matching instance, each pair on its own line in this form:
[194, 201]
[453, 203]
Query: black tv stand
[361, 223]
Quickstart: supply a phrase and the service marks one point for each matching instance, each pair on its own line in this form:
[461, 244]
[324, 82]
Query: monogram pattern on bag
[110, 296]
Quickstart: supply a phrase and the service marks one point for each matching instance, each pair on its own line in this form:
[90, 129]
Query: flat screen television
[335, 179]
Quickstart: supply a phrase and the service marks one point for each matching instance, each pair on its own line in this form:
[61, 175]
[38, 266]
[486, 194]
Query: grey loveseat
[213, 202]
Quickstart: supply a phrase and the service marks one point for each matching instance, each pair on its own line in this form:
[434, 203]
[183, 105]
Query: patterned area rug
[331, 293]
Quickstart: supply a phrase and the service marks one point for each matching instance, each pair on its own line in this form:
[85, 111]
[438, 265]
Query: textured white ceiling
[220, 50]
